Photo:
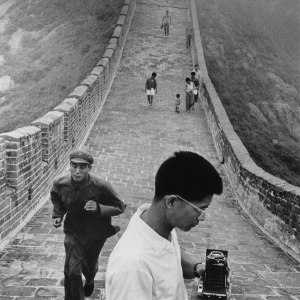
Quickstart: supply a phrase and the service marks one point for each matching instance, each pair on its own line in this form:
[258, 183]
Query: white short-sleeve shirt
[144, 265]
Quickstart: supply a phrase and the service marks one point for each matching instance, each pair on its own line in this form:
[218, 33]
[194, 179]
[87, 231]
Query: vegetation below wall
[47, 48]
[252, 54]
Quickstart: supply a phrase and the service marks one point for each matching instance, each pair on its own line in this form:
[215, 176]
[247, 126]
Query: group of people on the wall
[147, 262]
[192, 84]
[192, 90]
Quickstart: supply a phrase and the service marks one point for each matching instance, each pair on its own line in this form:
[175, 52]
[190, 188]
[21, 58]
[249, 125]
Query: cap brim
[79, 161]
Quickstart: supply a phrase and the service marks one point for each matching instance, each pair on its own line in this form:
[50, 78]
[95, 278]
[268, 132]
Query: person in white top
[189, 94]
[198, 74]
[147, 262]
[166, 22]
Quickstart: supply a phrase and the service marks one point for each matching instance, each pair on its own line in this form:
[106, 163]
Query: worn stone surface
[129, 141]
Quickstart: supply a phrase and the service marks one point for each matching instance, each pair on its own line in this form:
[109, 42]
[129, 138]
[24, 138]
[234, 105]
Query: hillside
[47, 48]
[256, 77]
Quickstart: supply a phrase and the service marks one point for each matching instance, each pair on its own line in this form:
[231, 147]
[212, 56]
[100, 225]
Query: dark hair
[177, 95]
[153, 74]
[193, 73]
[188, 175]
[187, 79]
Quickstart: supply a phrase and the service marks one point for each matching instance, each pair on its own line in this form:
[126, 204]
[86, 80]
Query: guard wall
[31, 157]
[272, 203]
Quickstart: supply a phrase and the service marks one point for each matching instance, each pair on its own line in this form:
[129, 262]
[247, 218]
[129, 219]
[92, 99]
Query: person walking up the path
[151, 88]
[189, 94]
[189, 35]
[166, 22]
[147, 263]
[88, 203]
[195, 90]
[177, 103]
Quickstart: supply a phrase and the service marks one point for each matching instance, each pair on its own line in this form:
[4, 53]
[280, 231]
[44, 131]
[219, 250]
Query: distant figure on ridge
[189, 35]
[166, 22]
[177, 103]
[88, 203]
[151, 88]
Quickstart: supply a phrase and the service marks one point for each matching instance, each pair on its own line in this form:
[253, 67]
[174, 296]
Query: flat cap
[81, 156]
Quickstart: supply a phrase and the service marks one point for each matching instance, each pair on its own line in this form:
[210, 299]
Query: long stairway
[129, 141]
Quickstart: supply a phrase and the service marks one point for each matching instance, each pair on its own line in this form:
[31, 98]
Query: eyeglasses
[199, 210]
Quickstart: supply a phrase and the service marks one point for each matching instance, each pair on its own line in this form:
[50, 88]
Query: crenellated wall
[31, 157]
[272, 203]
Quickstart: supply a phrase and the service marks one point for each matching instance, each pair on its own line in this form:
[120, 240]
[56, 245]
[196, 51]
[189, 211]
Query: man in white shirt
[198, 74]
[147, 263]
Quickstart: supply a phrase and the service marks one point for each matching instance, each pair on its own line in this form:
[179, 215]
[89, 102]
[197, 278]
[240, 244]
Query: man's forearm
[110, 211]
[187, 265]
[59, 209]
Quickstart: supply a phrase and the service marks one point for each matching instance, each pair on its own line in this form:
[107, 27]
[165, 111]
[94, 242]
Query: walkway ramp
[130, 141]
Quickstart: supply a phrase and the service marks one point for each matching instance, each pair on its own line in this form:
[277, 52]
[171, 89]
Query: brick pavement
[129, 142]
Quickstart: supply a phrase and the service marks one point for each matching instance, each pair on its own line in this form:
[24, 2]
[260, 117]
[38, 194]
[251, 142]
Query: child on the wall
[177, 103]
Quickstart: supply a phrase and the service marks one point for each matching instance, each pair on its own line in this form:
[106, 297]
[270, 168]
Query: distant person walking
[189, 35]
[195, 90]
[189, 95]
[166, 22]
[151, 88]
[177, 103]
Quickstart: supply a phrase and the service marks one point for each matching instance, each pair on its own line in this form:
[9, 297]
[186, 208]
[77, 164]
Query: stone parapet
[69, 107]
[52, 139]
[23, 154]
[30, 157]
[272, 203]
[3, 169]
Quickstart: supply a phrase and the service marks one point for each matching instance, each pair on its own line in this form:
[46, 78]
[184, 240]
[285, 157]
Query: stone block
[104, 62]
[113, 43]
[84, 110]
[49, 119]
[108, 53]
[97, 70]
[117, 32]
[124, 10]
[121, 20]
[79, 92]
[70, 108]
[89, 81]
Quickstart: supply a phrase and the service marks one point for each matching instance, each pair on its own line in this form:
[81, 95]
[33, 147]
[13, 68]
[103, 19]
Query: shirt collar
[157, 241]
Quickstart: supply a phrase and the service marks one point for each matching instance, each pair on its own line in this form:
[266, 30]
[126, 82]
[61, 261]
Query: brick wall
[31, 157]
[271, 202]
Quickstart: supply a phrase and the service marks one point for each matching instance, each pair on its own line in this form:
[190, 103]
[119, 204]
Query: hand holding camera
[216, 280]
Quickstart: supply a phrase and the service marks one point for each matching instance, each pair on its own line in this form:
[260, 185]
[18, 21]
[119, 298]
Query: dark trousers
[166, 28]
[189, 101]
[80, 259]
[188, 41]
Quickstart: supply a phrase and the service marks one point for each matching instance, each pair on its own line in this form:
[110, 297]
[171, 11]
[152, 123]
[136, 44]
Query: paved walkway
[129, 142]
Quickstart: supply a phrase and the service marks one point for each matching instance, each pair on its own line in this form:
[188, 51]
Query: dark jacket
[69, 198]
[151, 84]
